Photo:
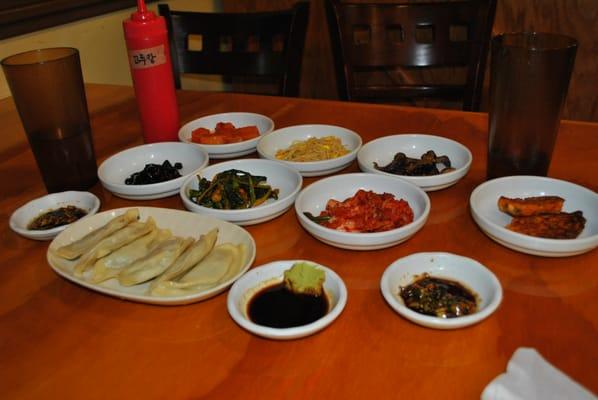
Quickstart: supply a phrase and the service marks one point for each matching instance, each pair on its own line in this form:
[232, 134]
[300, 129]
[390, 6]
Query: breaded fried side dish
[530, 205]
[552, 226]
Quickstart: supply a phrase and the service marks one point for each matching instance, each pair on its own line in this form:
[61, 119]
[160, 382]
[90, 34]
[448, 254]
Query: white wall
[100, 41]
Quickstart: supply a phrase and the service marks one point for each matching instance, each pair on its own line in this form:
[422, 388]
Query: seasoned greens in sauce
[233, 190]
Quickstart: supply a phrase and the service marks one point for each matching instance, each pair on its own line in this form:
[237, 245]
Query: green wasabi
[304, 278]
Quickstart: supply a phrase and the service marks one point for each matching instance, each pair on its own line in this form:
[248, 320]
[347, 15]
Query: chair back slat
[264, 44]
[373, 37]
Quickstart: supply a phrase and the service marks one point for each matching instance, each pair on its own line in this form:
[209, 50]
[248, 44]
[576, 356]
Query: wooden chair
[267, 46]
[383, 38]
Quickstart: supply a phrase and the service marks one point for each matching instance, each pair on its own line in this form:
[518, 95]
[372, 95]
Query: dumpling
[220, 265]
[194, 253]
[110, 266]
[236, 265]
[83, 245]
[212, 268]
[113, 242]
[154, 263]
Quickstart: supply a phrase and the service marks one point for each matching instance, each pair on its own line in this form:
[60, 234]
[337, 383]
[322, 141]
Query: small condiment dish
[466, 271]
[114, 170]
[285, 179]
[239, 119]
[258, 278]
[314, 197]
[281, 139]
[20, 219]
[383, 150]
[492, 221]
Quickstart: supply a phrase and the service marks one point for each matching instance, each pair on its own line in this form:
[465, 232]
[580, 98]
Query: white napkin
[529, 376]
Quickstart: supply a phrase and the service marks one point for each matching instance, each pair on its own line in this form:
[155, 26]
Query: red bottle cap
[144, 22]
[142, 14]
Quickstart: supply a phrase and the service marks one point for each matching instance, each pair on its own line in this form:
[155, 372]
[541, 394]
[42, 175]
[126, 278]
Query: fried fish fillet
[530, 205]
[552, 226]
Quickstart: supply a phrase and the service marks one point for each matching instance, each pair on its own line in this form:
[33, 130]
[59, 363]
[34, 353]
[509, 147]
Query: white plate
[283, 138]
[279, 176]
[114, 170]
[383, 150]
[239, 119]
[485, 212]
[464, 270]
[181, 223]
[25, 214]
[254, 280]
[340, 187]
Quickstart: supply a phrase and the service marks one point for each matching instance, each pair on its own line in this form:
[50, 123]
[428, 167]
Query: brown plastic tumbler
[47, 88]
[529, 77]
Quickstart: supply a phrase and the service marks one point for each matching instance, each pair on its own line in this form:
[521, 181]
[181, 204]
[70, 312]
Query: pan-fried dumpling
[110, 266]
[224, 262]
[83, 245]
[154, 263]
[194, 254]
[113, 242]
[237, 264]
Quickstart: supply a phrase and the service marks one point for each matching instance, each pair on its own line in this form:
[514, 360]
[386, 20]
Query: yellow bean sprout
[313, 149]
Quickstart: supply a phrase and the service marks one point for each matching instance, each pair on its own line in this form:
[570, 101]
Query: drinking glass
[529, 77]
[47, 88]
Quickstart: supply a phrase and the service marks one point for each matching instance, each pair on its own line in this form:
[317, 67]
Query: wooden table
[60, 340]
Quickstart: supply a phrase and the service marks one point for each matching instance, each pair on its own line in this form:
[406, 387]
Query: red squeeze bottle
[149, 58]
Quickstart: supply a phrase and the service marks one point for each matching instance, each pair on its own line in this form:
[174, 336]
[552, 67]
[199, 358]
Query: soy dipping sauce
[443, 298]
[277, 307]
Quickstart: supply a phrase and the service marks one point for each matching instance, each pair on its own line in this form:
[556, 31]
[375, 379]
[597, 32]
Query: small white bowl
[279, 176]
[466, 271]
[25, 214]
[114, 170]
[257, 278]
[383, 150]
[340, 187]
[485, 212]
[283, 138]
[239, 119]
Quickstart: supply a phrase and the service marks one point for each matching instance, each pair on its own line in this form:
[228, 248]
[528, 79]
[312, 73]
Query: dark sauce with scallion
[54, 218]
[439, 297]
[277, 307]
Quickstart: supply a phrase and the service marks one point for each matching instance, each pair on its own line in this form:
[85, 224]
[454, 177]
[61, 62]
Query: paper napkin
[529, 376]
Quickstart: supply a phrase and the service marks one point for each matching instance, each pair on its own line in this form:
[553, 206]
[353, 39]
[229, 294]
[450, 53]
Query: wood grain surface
[59, 340]
[576, 18]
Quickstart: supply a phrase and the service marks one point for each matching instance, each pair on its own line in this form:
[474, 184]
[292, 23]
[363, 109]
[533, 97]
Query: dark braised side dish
[438, 297]
[155, 173]
[541, 216]
[58, 217]
[425, 166]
